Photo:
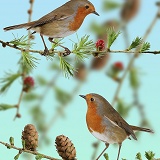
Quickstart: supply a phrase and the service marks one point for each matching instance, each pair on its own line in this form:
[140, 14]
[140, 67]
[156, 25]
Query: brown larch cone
[99, 62]
[107, 25]
[65, 148]
[130, 9]
[80, 72]
[30, 136]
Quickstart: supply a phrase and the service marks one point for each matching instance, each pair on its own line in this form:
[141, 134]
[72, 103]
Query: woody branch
[21, 150]
[4, 44]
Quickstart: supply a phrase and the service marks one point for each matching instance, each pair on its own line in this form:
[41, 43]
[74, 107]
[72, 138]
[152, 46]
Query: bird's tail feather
[135, 128]
[24, 25]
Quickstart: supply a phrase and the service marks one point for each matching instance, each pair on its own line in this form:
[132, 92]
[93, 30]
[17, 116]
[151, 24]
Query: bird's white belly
[109, 137]
[103, 137]
[63, 34]
[53, 34]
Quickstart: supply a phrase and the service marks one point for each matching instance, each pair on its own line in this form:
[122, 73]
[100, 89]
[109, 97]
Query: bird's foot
[46, 52]
[67, 52]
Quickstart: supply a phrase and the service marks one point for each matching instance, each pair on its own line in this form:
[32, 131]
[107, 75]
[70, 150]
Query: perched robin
[61, 22]
[106, 124]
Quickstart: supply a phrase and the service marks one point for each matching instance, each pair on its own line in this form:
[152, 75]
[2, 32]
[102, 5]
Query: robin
[106, 124]
[61, 22]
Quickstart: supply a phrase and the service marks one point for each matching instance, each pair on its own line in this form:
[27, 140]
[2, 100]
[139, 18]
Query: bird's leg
[107, 145]
[120, 145]
[67, 51]
[46, 51]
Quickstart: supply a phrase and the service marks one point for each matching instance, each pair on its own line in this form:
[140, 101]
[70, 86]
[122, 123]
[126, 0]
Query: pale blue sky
[74, 125]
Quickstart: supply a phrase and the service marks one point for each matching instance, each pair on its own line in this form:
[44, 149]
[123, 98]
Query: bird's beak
[96, 13]
[83, 96]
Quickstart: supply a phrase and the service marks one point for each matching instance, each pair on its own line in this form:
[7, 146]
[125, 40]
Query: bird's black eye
[86, 6]
[92, 99]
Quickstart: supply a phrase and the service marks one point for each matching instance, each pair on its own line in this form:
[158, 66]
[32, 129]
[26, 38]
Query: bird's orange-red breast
[62, 21]
[106, 124]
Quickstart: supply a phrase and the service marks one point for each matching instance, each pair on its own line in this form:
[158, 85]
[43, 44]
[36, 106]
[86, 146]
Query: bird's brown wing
[56, 15]
[123, 124]
[114, 116]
